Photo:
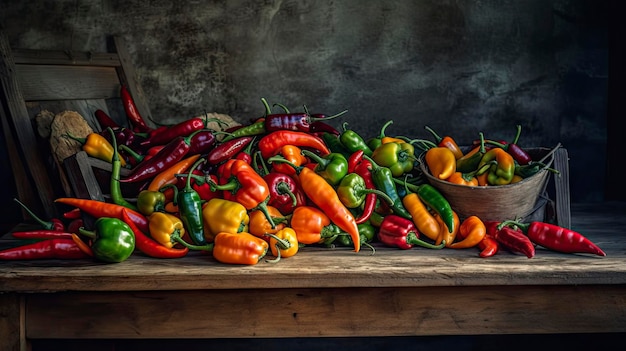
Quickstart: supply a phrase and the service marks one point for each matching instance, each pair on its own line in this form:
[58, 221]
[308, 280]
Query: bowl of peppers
[488, 180]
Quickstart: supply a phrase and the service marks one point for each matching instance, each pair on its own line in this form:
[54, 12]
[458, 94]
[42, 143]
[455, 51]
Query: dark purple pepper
[202, 141]
[300, 122]
[227, 150]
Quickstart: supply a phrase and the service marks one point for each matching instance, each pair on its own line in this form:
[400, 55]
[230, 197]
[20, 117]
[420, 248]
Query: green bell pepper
[332, 167]
[149, 201]
[352, 191]
[398, 157]
[113, 239]
[353, 141]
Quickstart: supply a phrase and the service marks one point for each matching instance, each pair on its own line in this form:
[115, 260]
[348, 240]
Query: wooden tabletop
[316, 267]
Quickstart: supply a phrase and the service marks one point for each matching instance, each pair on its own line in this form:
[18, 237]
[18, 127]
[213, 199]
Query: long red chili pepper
[227, 150]
[363, 168]
[169, 155]
[42, 234]
[271, 143]
[135, 118]
[182, 129]
[557, 238]
[99, 209]
[105, 121]
[58, 248]
[147, 245]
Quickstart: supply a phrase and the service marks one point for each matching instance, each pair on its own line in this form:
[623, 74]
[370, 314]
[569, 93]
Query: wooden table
[324, 292]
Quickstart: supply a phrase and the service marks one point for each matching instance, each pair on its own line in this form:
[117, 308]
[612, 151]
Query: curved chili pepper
[446, 142]
[424, 221]
[168, 176]
[114, 183]
[363, 169]
[256, 128]
[271, 143]
[146, 244]
[53, 224]
[99, 209]
[95, 145]
[334, 144]
[227, 150]
[472, 230]
[556, 238]
[383, 180]
[441, 162]
[181, 129]
[354, 160]
[135, 118]
[445, 233]
[105, 121]
[322, 194]
[169, 155]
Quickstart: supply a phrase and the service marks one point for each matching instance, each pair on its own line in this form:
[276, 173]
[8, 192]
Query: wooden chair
[36, 80]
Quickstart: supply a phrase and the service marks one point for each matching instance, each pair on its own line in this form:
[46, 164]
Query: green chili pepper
[384, 181]
[332, 167]
[352, 141]
[113, 239]
[334, 144]
[352, 191]
[190, 209]
[367, 233]
[375, 142]
[433, 199]
[376, 219]
[149, 201]
[114, 183]
[398, 157]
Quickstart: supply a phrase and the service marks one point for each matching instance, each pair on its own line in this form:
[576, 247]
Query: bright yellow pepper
[283, 244]
[441, 162]
[163, 225]
[221, 215]
[97, 146]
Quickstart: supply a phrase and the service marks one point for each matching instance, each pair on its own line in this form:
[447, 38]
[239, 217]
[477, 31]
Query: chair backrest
[35, 80]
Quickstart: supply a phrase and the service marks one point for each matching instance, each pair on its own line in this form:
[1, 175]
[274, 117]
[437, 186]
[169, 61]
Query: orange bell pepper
[440, 162]
[239, 248]
[260, 226]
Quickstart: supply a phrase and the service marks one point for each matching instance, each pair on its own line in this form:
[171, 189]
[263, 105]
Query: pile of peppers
[264, 190]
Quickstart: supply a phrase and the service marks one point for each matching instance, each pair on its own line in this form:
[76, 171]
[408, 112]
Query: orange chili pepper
[294, 155]
[446, 142]
[258, 225]
[423, 219]
[441, 162]
[463, 179]
[473, 230]
[444, 233]
[168, 176]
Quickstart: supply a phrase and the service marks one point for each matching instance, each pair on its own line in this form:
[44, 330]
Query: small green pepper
[367, 233]
[398, 157]
[352, 191]
[190, 209]
[353, 141]
[377, 141]
[384, 181]
[113, 239]
[332, 167]
[335, 145]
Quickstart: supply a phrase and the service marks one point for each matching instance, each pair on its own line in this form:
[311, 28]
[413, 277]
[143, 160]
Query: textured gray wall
[458, 66]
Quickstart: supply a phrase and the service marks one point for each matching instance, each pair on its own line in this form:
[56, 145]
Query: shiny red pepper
[228, 150]
[514, 240]
[169, 155]
[105, 120]
[134, 117]
[162, 136]
[59, 248]
[285, 193]
[271, 143]
[396, 231]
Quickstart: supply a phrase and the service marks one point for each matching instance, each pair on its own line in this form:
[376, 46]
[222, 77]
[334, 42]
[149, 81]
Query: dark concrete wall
[458, 66]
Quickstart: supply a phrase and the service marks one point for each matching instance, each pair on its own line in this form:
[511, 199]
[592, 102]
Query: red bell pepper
[285, 193]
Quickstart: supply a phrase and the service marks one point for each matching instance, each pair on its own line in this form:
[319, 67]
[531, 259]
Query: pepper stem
[281, 244]
[263, 208]
[314, 119]
[176, 237]
[44, 224]
[412, 238]
[283, 188]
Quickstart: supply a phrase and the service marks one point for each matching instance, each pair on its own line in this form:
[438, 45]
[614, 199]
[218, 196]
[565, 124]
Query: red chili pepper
[323, 127]
[135, 118]
[59, 248]
[169, 155]
[52, 224]
[271, 143]
[99, 209]
[300, 122]
[285, 193]
[200, 184]
[363, 168]
[75, 224]
[354, 159]
[556, 238]
[185, 128]
[515, 240]
[227, 150]
[105, 121]
[149, 246]
[42, 234]
[72, 214]
[396, 231]
[246, 153]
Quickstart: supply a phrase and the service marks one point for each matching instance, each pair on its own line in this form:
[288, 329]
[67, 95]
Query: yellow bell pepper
[163, 225]
[283, 244]
[221, 215]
